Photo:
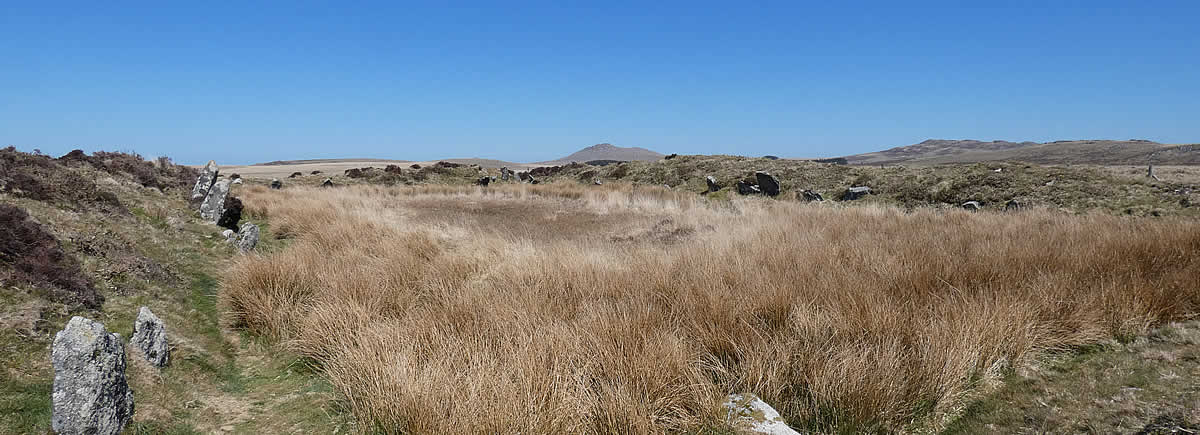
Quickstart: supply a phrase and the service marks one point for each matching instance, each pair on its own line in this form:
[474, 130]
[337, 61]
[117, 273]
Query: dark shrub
[36, 258]
[232, 214]
[44, 179]
[315, 172]
[354, 173]
[415, 166]
[295, 174]
[235, 176]
[448, 164]
[393, 169]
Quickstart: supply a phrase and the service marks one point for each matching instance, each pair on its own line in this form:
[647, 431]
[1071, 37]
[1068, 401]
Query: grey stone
[767, 183]
[90, 393]
[810, 196]
[972, 205]
[1013, 205]
[749, 414]
[504, 173]
[854, 193]
[150, 337]
[745, 188]
[597, 182]
[247, 237]
[214, 204]
[208, 176]
[712, 183]
[276, 184]
[228, 235]
[483, 181]
[328, 182]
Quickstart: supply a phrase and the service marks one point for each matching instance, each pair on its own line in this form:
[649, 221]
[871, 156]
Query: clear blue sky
[252, 81]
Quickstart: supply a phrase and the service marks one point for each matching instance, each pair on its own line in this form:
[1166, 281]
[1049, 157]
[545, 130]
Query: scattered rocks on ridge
[90, 393]
[208, 176]
[214, 204]
[150, 337]
[247, 237]
[768, 184]
[749, 414]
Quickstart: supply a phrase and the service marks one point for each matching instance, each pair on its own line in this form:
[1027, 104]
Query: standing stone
[1150, 173]
[90, 395]
[328, 182]
[214, 204]
[767, 183]
[276, 184]
[204, 182]
[712, 184]
[749, 414]
[1012, 205]
[504, 173]
[150, 337]
[483, 181]
[247, 237]
[972, 205]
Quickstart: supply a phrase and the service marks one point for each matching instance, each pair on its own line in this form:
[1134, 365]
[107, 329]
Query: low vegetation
[598, 309]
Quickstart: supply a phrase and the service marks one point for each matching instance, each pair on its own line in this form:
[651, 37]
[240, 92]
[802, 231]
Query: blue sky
[245, 82]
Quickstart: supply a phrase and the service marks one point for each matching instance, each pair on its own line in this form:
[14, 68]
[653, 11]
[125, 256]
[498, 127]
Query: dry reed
[549, 309]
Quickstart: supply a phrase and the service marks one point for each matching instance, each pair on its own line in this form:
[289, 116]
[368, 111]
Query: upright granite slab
[90, 394]
[214, 204]
[204, 182]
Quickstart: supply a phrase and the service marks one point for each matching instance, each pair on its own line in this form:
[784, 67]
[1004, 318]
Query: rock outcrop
[768, 184]
[247, 237]
[208, 176]
[214, 204]
[150, 337]
[90, 394]
[749, 414]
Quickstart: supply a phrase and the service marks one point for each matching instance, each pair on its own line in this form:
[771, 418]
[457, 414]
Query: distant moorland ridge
[1098, 152]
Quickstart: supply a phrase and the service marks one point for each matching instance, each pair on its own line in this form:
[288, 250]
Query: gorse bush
[551, 309]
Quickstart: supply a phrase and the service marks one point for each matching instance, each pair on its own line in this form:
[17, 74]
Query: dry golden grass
[550, 309]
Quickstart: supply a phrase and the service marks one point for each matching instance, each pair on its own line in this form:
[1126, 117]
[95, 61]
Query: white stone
[749, 414]
[214, 203]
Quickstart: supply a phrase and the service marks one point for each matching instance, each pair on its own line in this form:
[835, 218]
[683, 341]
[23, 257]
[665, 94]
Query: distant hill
[1098, 152]
[606, 151]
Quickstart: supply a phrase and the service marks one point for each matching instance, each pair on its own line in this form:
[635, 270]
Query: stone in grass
[712, 184]
[247, 237]
[204, 182]
[150, 337]
[972, 205]
[749, 414]
[214, 204]
[90, 393]
[768, 184]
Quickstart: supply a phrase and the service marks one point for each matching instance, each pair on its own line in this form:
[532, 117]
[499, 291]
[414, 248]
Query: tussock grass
[530, 309]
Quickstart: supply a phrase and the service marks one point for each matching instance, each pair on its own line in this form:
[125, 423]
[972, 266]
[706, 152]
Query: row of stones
[215, 205]
[90, 393]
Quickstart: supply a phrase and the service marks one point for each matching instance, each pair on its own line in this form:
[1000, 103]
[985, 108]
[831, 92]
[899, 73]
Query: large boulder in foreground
[749, 414]
[204, 182]
[150, 338]
[90, 394]
[214, 204]
[768, 184]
